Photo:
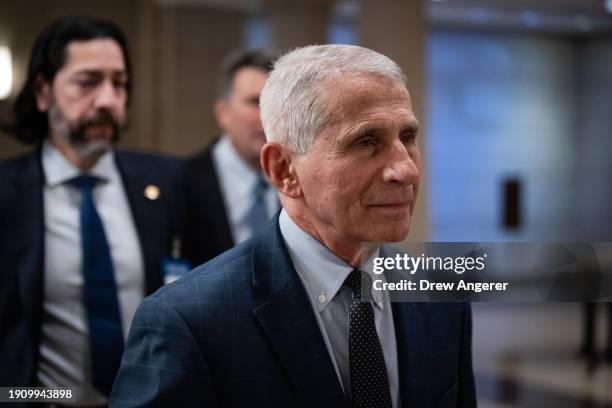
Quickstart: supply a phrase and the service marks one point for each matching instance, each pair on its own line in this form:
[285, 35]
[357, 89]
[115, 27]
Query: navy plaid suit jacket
[239, 331]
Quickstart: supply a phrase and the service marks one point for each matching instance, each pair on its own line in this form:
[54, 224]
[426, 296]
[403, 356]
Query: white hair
[293, 102]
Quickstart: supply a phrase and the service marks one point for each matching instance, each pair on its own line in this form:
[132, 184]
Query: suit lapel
[30, 216]
[409, 353]
[413, 346]
[216, 206]
[144, 212]
[288, 321]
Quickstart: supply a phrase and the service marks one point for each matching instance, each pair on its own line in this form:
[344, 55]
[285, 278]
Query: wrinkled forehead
[101, 54]
[346, 96]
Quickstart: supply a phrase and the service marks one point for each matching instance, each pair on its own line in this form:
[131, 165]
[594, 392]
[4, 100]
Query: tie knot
[84, 182]
[359, 282]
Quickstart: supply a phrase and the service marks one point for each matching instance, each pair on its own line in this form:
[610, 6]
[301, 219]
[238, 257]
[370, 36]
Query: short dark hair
[47, 57]
[243, 58]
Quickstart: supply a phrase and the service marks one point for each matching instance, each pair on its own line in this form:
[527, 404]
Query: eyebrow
[411, 124]
[96, 72]
[374, 128]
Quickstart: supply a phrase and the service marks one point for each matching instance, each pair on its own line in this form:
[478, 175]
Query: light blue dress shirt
[237, 182]
[323, 275]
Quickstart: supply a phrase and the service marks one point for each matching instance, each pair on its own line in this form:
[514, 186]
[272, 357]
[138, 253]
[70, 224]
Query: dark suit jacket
[22, 247]
[209, 232]
[239, 331]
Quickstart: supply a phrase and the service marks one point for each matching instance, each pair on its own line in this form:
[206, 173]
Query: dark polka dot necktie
[369, 381]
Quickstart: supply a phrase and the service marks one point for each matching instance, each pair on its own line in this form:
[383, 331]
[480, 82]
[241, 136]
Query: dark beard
[102, 117]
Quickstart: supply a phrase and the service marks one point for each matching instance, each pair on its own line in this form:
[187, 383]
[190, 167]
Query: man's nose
[257, 121]
[107, 96]
[403, 165]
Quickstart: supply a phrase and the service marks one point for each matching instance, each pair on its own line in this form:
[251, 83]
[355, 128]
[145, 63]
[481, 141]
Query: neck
[253, 165]
[252, 162]
[83, 163]
[350, 252]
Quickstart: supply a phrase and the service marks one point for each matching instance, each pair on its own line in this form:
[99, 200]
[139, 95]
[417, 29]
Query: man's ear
[277, 162]
[220, 111]
[42, 93]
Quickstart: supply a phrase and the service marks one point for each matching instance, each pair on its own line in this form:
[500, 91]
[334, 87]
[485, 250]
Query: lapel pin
[152, 192]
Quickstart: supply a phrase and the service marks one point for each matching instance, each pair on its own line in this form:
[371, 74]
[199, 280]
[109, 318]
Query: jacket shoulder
[202, 161]
[14, 163]
[151, 160]
[215, 280]
[12, 167]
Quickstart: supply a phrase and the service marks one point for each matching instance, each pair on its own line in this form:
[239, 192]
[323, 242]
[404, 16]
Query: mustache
[100, 118]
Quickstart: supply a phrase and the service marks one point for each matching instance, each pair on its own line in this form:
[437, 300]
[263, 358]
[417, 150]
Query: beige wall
[192, 41]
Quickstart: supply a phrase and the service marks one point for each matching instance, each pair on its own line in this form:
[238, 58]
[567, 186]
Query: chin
[396, 235]
[93, 149]
[390, 232]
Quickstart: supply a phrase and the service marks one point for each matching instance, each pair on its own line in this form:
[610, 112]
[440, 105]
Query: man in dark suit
[84, 226]
[225, 188]
[288, 318]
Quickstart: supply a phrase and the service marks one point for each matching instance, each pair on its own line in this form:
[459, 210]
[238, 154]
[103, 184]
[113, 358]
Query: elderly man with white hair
[287, 318]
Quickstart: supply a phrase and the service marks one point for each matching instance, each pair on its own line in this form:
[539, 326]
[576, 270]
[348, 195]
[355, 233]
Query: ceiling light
[6, 72]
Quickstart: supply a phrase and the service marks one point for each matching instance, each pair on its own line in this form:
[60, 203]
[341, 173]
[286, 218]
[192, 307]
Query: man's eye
[87, 83]
[366, 142]
[253, 101]
[120, 84]
[408, 136]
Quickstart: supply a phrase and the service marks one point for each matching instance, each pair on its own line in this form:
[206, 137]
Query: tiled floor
[525, 355]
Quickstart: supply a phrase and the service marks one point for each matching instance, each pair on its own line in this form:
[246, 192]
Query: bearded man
[85, 226]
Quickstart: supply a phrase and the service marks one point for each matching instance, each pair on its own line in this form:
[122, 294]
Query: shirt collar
[58, 169]
[240, 176]
[321, 270]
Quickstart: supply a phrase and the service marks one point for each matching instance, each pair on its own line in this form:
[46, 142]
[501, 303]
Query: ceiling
[584, 17]
[572, 17]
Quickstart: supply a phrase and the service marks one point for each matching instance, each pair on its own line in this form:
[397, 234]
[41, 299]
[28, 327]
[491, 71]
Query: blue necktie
[99, 291]
[258, 215]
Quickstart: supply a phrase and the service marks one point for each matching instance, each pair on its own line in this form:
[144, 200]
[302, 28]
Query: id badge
[174, 268]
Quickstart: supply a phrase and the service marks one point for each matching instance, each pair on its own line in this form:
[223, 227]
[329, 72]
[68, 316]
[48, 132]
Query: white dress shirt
[64, 347]
[323, 275]
[237, 182]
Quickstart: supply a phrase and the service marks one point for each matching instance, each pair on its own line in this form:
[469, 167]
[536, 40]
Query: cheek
[318, 185]
[337, 190]
[122, 107]
[71, 111]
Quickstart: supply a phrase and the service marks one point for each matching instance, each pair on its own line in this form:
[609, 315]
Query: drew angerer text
[425, 285]
[411, 264]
